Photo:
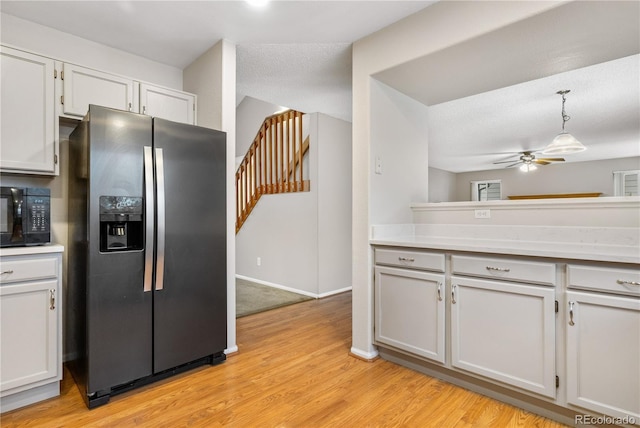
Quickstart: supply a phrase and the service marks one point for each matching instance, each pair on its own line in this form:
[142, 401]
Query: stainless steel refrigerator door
[190, 308]
[119, 311]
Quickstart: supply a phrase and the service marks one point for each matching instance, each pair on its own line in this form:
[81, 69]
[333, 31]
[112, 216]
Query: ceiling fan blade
[541, 162]
[507, 161]
[551, 159]
[513, 164]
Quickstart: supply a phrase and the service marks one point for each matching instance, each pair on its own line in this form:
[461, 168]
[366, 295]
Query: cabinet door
[603, 353]
[28, 333]
[409, 311]
[167, 104]
[505, 332]
[84, 86]
[28, 130]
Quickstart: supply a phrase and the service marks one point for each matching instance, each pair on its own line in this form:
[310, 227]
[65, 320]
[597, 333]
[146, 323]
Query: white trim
[539, 204]
[281, 287]
[334, 292]
[363, 354]
[231, 350]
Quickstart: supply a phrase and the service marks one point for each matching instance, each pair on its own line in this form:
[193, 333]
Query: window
[488, 190]
[625, 183]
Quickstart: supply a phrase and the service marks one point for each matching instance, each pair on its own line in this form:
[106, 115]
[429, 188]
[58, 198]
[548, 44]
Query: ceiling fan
[528, 161]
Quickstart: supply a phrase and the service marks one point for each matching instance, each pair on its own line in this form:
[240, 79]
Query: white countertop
[32, 249]
[620, 245]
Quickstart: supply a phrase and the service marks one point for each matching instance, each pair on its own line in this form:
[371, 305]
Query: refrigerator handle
[149, 218]
[161, 220]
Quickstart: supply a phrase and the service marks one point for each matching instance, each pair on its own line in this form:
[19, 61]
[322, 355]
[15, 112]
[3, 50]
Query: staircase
[273, 164]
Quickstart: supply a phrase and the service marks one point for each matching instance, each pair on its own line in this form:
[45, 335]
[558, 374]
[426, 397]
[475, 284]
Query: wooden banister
[273, 163]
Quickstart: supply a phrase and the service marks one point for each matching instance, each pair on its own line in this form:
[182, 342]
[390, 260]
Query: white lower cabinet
[410, 311]
[505, 332]
[603, 353]
[30, 329]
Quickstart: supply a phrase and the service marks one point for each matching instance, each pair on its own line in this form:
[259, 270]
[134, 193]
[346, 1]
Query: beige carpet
[252, 298]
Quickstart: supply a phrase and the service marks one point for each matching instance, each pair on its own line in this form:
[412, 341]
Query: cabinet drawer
[612, 280]
[14, 269]
[411, 259]
[509, 269]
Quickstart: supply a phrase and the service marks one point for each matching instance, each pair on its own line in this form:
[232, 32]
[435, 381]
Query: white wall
[65, 47]
[611, 212]
[304, 239]
[334, 204]
[250, 114]
[212, 77]
[442, 185]
[430, 30]
[574, 177]
[399, 143]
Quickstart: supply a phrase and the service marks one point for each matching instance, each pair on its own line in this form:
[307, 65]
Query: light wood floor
[293, 369]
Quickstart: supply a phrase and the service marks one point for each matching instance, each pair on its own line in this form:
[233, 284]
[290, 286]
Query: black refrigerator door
[119, 312]
[190, 298]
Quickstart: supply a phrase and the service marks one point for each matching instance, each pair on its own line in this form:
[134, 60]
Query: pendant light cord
[565, 116]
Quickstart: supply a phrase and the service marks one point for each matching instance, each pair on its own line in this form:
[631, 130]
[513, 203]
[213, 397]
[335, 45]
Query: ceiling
[291, 53]
[495, 95]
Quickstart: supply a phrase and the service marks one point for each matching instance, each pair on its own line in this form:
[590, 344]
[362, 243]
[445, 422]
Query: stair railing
[273, 164]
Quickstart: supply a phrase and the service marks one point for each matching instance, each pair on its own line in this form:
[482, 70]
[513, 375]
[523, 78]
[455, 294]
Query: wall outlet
[483, 213]
[258, 261]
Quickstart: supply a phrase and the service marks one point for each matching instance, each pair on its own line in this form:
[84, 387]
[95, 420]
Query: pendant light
[564, 142]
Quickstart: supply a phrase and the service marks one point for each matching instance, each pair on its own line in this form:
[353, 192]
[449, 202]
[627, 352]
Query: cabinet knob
[453, 294]
[52, 299]
[8, 272]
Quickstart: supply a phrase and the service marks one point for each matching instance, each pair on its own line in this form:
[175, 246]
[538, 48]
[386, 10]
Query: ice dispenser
[121, 223]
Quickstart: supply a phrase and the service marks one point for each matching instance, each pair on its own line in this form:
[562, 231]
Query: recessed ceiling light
[257, 3]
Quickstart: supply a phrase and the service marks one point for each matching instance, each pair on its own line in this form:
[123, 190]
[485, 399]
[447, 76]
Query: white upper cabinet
[28, 132]
[167, 103]
[84, 86]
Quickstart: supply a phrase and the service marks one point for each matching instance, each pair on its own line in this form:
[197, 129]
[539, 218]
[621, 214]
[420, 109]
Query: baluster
[301, 188]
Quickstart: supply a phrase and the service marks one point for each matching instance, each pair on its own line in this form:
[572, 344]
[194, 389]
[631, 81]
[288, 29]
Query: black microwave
[25, 216]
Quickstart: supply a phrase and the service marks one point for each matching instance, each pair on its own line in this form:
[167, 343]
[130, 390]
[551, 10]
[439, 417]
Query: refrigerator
[146, 285]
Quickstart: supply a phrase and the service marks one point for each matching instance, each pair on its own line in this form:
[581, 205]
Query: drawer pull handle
[52, 299]
[6, 272]
[406, 259]
[498, 269]
[623, 281]
[571, 313]
[439, 291]
[453, 294]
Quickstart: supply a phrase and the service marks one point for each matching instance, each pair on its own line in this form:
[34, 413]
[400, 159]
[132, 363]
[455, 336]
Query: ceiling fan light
[526, 167]
[564, 143]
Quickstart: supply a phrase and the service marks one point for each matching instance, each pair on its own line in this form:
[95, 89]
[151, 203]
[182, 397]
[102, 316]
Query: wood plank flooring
[293, 369]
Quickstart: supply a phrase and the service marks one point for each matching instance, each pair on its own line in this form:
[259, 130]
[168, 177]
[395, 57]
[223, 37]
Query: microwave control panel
[39, 208]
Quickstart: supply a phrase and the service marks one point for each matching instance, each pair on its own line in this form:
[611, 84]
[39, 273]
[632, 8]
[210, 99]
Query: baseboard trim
[293, 290]
[362, 355]
[231, 350]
